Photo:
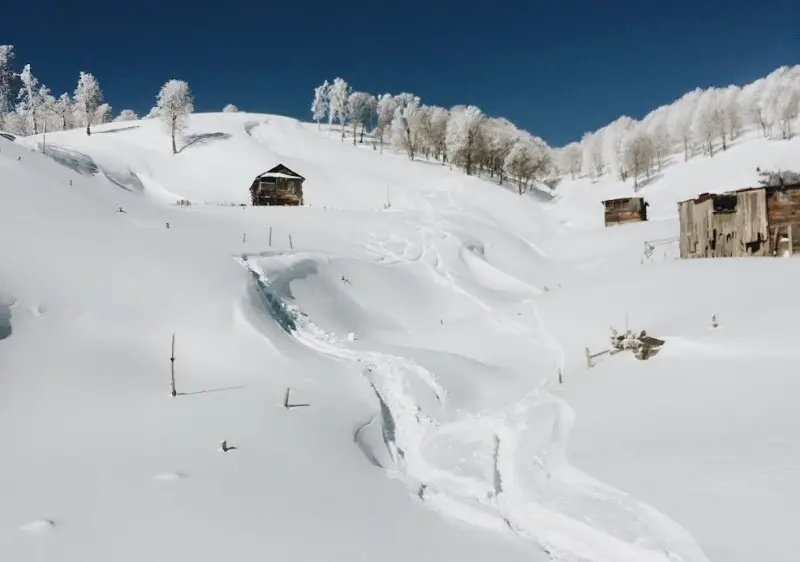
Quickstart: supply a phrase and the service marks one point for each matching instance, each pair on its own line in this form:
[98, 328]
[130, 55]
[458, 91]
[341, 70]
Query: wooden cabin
[624, 210]
[756, 221]
[278, 186]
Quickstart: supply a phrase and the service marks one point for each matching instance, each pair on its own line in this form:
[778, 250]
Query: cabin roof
[769, 188]
[279, 175]
[281, 171]
[623, 199]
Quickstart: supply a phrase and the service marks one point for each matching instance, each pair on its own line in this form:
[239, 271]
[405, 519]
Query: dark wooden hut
[278, 186]
[624, 210]
[755, 221]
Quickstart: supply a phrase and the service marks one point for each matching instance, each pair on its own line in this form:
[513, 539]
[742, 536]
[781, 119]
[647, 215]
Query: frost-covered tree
[708, 119]
[102, 114]
[637, 152]
[126, 115]
[464, 136]
[154, 112]
[499, 137]
[592, 159]
[46, 111]
[360, 108]
[16, 123]
[29, 100]
[681, 120]
[528, 160]
[65, 111]
[407, 125]
[321, 104]
[339, 94]
[613, 136]
[230, 108]
[731, 112]
[656, 127]
[436, 135]
[385, 110]
[782, 101]
[88, 98]
[6, 80]
[753, 104]
[570, 159]
[175, 104]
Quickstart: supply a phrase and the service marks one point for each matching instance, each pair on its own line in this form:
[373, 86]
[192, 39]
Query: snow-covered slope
[421, 342]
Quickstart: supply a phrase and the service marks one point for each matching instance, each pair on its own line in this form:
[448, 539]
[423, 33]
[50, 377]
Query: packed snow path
[503, 470]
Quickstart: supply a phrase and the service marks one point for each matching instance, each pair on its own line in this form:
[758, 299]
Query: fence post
[588, 358]
[286, 398]
[173, 391]
[291, 247]
[270, 236]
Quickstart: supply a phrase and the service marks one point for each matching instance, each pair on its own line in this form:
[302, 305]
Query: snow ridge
[469, 467]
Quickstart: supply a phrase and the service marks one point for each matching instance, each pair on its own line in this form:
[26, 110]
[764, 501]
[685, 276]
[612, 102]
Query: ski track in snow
[504, 470]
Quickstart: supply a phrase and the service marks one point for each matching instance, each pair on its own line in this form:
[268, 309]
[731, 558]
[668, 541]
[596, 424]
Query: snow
[278, 175]
[419, 319]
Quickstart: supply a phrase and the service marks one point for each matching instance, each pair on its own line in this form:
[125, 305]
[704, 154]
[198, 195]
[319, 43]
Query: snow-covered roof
[279, 175]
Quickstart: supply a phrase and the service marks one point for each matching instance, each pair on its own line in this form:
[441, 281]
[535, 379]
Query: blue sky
[554, 68]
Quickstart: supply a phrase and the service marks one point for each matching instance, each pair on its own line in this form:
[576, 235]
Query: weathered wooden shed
[278, 186]
[624, 210]
[756, 221]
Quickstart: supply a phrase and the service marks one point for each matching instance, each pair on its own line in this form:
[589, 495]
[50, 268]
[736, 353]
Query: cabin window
[783, 197]
[725, 204]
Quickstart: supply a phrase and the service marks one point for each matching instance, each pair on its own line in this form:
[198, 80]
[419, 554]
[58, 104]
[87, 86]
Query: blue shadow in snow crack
[274, 305]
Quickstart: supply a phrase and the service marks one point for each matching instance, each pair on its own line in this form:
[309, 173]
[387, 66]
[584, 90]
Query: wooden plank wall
[742, 232]
[783, 212]
[621, 212]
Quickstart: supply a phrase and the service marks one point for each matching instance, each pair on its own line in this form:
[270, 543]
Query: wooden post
[286, 398]
[270, 236]
[172, 369]
[560, 378]
[244, 237]
[588, 358]
[291, 247]
[791, 245]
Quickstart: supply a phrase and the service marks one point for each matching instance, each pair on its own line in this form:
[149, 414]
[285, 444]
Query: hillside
[421, 341]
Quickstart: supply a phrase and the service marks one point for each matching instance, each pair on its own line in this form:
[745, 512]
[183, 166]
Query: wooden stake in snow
[714, 321]
[588, 357]
[560, 378]
[244, 237]
[270, 236]
[167, 225]
[291, 247]
[286, 399]
[224, 446]
[172, 369]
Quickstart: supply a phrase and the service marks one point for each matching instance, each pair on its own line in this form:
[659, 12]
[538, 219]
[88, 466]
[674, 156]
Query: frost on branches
[230, 108]
[88, 98]
[175, 104]
[6, 77]
[339, 94]
[361, 108]
[126, 115]
[321, 104]
[386, 107]
[528, 160]
[29, 100]
[463, 136]
[102, 115]
[407, 124]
